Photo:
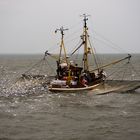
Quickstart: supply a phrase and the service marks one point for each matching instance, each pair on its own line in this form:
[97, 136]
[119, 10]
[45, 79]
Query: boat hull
[72, 90]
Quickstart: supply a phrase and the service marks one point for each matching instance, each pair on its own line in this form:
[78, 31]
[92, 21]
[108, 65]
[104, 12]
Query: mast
[62, 47]
[85, 40]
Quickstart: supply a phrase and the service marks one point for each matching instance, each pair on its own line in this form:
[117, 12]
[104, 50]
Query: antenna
[85, 16]
[61, 30]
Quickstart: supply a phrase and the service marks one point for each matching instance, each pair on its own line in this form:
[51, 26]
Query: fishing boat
[72, 77]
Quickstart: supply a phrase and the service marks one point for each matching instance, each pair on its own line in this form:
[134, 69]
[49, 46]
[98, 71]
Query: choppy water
[38, 115]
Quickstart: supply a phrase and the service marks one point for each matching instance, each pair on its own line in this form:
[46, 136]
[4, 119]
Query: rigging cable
[52, 70]
[33, 66]
[117, 72]
[94, 55]
[66, 38]
[115, 46]
[112, 44]
[100, 61]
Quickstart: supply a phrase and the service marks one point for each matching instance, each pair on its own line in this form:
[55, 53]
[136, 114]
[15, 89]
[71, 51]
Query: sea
[30, 112]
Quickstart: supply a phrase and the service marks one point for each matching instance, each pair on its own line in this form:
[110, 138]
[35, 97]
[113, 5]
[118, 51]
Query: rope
[67, 37]
[40, 67]
[125, 70]
[94, 57]
[52, 70]
[112, 44]
[125, 67]
[134, 70]
[97, 58]
[118, 71]
[115, 46]
[33, 66]
[72, 34]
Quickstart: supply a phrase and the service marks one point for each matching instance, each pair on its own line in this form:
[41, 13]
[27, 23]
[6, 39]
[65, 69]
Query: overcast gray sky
[27, 26]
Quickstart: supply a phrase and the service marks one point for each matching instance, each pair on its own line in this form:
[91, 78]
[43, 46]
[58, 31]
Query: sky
[27, 26]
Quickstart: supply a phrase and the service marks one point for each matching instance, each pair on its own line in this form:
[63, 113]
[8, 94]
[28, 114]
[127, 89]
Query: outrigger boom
[113, 63]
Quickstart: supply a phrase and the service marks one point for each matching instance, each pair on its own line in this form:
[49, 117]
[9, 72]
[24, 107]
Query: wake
[39, 86]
